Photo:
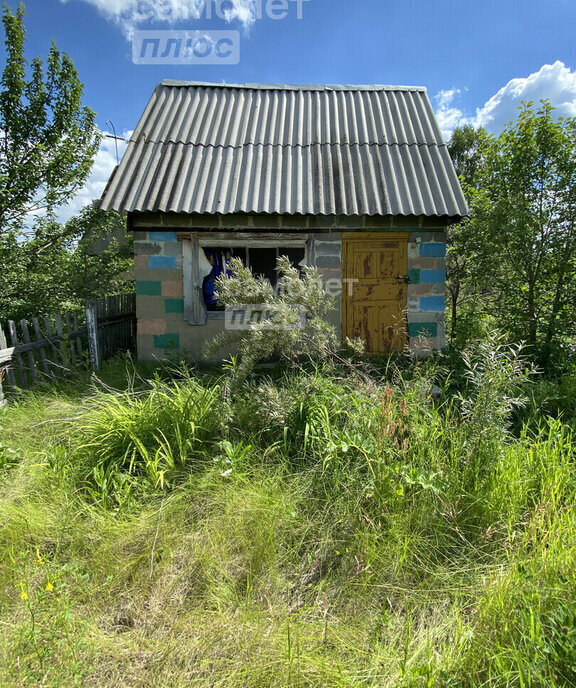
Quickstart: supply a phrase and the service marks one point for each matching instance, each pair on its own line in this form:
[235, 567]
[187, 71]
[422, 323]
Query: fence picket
[70, 338]
[41, 349]
[50, 344]
[7, 362]
[16, 356]
[93, 335]
[60, 332]
[78, 339]
[29, 352]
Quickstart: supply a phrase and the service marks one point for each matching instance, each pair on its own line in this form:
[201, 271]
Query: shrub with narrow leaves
[496, 375]
[282, 332]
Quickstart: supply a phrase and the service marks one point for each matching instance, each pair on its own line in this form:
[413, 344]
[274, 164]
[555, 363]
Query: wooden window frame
[195, 312]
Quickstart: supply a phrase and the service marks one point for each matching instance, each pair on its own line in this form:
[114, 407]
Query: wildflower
[49, 586]
[23, 593]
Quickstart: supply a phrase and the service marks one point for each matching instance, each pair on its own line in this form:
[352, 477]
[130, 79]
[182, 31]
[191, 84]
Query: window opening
[262, 262]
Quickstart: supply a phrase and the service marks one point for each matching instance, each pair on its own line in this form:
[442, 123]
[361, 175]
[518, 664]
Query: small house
[355, 180]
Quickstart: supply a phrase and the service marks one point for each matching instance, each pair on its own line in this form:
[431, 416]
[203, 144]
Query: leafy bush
[293, 321]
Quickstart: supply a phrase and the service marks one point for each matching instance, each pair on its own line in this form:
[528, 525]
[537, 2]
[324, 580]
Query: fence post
[2, 346]
[92, 328]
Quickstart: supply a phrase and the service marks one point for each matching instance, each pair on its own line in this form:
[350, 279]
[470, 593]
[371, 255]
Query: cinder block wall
[426, 289]
[162, 330]
[159, 293]
[326, 255]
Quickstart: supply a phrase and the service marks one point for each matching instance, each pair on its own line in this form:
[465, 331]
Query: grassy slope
[314, 531]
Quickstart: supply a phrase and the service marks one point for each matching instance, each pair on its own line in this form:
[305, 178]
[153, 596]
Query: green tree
[48, 141]
[60, 266]
[47, 138]
[524, 218]
[464, 253]
[101, 260]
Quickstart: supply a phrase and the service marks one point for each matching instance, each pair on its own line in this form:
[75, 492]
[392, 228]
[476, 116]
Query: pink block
[173, 289]
[140, 261]
[154, 326]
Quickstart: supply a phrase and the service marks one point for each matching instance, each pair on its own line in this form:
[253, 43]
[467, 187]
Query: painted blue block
[432, 250]
[432, 276]
[161, 262]
[163, 236]
[431, 303]
[425, 330]
[167, 341]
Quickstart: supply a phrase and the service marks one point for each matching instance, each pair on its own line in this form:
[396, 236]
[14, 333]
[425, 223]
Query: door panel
[374, 303]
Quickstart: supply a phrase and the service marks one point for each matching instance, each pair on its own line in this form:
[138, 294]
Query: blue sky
[478, 59]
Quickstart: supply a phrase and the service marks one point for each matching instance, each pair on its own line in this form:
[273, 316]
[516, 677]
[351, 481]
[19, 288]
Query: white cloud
[449, 117]
[243, 10]
[554, 82]
[130, 15]
[104, 164]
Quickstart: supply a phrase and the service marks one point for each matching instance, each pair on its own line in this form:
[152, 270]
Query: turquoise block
[432, 250]
[174, 305]
[429, 329]
[414, 276]
[432, 276]
[171, 340]
[163, 236]
[148, 288]
[432, 303]
[161, 262]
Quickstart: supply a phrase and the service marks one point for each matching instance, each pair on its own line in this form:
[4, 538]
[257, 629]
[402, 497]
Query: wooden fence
[113, 320]
[57, 344]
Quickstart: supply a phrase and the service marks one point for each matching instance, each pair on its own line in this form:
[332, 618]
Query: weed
[319, 528]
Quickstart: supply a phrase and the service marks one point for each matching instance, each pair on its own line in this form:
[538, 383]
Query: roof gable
[350, 150]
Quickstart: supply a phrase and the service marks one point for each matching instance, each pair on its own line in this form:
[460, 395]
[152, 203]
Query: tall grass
[316, 529]
[135, 442]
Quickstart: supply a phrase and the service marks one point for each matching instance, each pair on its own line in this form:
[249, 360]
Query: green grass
[321, 528]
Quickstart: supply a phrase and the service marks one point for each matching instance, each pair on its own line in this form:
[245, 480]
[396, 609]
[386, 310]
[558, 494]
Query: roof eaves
[293, 87]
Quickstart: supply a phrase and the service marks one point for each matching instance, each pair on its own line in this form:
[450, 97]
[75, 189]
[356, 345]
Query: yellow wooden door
[374, 269]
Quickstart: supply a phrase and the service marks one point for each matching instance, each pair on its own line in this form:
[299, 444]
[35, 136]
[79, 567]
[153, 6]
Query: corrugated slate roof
[329, 150]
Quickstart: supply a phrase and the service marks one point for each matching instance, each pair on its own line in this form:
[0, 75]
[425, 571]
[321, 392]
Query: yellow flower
[49, 586]
[23, 593]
